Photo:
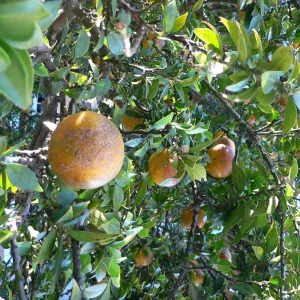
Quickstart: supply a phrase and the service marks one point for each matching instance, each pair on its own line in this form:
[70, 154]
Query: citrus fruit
[198, 277]
[143, 257]
[187, 217]
[131, 119]
[225, 255]
[221, 157]
[86, 150]
[164, 169]
[223, 139]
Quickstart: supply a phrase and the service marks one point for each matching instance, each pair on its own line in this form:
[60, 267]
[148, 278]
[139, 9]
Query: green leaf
[290, 115]
[153, 89]
[16, 82]
[141, 194]
[170, 16]
[3, 219]
[130, 236]
[271, 239]
[22, 177]
[83, 43]
[115, 43]
[240, 39]
[163, 122]
[244, 288]
[13, 149]
[58, 263]
[118, 198]
[47, 247]
[198, 172]
[193, 292]
[100, 42]
[234, 218]
[238, 177]
[76, 292]
[5, 60]
[95, 290]
[179, 22]
[197, 5]
[88, 236]
[60, 73]
[217, 35]
[24, 247]
[53, 8]
[67, 216]
[238, 86]
[19, 23]
[208, 36]
[294, 170]
[66, 197]
[103, 86]
[268, 79]
[40, 70]
[3, 145]
[282, 59]
[112, 226]
[265, 99]
[141, 152]
[259, 45]
[244, 95]
[259, 253]
[277, 281]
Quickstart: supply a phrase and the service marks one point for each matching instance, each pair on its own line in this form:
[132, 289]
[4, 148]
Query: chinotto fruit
[197, 277]
[187, 217]
[223, 140]
[225, 255]
[143, 257]
[86, 150]
[221, 157]
[166, 169]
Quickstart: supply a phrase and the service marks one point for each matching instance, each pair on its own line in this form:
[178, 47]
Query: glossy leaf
[265, 99]
[3, 144]
[268, 79]
[198, 5]
[5, 60]
[170, 16]
[272, 239]
[179, 22]
[290, 115]
[294, 170]
[282, 59]
[88, 236]
[47, 247]
[238, 177]
[22, 177]
[83, 43]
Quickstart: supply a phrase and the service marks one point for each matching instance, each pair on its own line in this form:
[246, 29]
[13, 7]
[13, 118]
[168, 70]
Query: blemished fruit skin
[187, 217]
[129, 123]
[142, 260]
[221, 157]
[161, 170]
[225, 255]
[86, 150]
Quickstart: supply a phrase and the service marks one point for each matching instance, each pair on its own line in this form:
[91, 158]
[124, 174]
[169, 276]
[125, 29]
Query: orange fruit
[143, 257]
[130, 122]
[221, 157]
[252, 119]
[282, 101]
[187, 217]
[165, 170]
[86, 150]
[225, 141]
[198, 277]
[225, 255]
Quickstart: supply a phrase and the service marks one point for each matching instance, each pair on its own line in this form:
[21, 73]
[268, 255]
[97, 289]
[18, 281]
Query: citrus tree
[176, 175]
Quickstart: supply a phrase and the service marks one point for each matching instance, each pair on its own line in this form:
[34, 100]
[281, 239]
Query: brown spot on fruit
[86, 150]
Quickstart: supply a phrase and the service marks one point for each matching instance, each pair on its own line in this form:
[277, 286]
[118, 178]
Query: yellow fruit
[225, 255]
[221, 157]
[129, 123]
[198, 278]
[86, 150]
[163, 170]
[143, 257]
[187, 218]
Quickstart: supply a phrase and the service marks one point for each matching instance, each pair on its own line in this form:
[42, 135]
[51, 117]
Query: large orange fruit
[86, 150]
[221, 157]
[223, 140]
[164, 169]
[131, 119]
[187, 217]
[143, 257]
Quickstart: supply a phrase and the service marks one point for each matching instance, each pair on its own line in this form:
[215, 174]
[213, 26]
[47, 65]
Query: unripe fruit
[143, 257]
[221, 157]
[187, 217]
[86, 150]
[225, 255]
[129, 123]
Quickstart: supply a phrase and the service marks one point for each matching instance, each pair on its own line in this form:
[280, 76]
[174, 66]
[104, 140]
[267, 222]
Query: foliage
[188, 69]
